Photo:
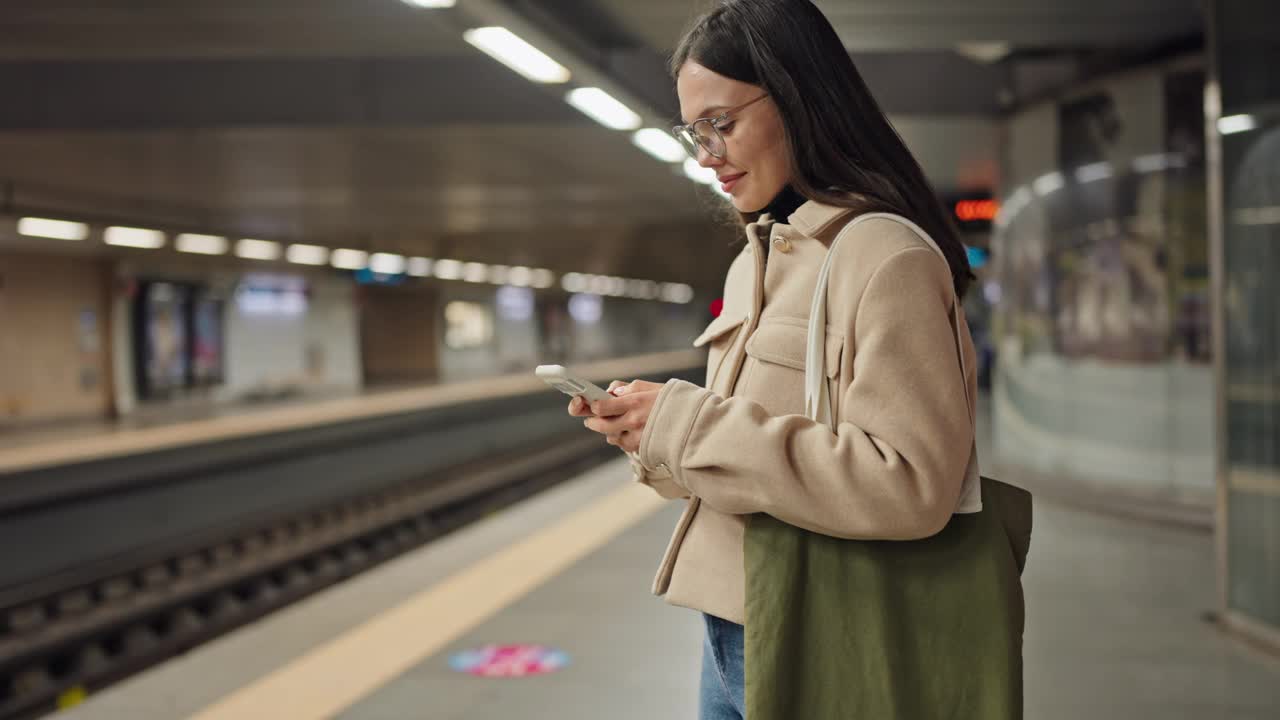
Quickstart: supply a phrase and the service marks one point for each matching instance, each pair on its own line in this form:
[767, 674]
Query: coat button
[782, 245]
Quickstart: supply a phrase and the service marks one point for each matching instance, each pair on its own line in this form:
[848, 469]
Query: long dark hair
[843, 150]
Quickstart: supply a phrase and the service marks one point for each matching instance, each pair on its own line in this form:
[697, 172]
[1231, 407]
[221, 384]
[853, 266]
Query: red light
[717, 306]
[967, 210]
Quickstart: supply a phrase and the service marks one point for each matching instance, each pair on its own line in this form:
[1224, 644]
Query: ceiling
[227, 29]
[94, 29]
[369, 122]
[911, 25]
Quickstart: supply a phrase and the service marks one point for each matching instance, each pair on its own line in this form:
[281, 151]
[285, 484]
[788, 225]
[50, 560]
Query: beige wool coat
[741, 445]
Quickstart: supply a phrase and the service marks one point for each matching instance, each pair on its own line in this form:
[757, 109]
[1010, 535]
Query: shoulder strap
[817, 401]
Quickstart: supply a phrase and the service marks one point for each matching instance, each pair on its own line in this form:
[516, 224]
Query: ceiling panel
[935, 24]
[276, 92]
[147, 29]
[344, 122]
[334, 182]
[369, 122]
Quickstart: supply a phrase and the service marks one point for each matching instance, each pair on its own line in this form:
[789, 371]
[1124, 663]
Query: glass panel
[1104, 373]
[1249, 130]
[1250, 134]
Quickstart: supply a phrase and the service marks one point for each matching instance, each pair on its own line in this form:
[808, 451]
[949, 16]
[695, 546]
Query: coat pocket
[717, 328]
[774, 375]
[718, 337]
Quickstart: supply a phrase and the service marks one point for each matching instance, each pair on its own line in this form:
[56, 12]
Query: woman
[780, 506]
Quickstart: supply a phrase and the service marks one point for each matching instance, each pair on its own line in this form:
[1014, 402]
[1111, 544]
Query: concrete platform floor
[1115, 631]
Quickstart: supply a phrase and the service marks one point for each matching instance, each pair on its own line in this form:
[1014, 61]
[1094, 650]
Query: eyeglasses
[705, 132]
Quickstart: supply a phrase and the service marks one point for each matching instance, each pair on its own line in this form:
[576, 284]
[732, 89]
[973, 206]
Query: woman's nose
[707, 160]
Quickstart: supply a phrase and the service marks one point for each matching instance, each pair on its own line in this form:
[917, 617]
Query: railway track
[102, 626]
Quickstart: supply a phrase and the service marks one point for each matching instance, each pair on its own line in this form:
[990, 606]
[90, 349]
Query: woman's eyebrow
[709, 112]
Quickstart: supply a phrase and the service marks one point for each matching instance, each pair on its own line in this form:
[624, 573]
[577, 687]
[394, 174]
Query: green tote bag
[887, 630]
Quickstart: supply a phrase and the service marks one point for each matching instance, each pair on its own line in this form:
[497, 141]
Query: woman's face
[756, 164]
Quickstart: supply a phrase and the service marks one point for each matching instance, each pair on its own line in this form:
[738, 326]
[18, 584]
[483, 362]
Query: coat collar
[813, 218]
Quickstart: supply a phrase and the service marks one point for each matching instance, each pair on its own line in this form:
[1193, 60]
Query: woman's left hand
[621, 419]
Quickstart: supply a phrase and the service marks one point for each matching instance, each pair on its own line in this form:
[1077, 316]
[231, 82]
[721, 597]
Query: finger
[604, 426]
[618, 387]
[609, 426]
[610, 407]
[578, 407]
[594, 424]
[630, 442]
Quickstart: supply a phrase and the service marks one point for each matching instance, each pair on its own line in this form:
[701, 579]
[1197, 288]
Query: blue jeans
[722, 691]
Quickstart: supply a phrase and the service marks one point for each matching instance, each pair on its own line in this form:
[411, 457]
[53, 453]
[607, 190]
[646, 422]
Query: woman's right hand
[579, 407]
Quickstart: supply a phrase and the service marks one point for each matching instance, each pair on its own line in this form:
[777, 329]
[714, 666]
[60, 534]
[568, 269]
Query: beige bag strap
[817, 400]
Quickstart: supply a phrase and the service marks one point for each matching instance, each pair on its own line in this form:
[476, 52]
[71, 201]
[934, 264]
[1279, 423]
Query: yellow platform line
[336, 675]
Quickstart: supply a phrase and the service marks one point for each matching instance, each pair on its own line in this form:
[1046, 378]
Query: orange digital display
[969, 210]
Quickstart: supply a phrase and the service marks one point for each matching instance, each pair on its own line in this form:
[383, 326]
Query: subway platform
[1117, 628]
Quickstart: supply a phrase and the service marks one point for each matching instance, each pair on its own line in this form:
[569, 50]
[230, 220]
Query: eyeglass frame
[714, 122]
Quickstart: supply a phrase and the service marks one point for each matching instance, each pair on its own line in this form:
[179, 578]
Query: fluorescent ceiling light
[603, 108]
[1013, 205]
[258, 250]
[1258, 216]
[677, 293]
[574, 283]
[133, 237]
[432, 4]
[984, 52]
[1046, 184]
[543, 278]
[52, 229]
[520, 276]
[201, 244]
[660, 145]
[498, 274]
[509, 49]
[448, 269]
[1018, 200]
[387, 263]
[1158, 162]
[598, 285]
[307, 254]
[1094, 171]
[420, 266]
[638, 289]
[474, 272]
[348, 259]
[1236, 123]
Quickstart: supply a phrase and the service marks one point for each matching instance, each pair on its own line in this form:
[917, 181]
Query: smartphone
[561, 379]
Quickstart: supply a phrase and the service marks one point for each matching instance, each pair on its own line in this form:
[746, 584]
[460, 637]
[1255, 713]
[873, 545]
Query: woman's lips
[729, 181]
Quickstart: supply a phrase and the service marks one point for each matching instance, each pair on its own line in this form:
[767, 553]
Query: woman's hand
[622, 418]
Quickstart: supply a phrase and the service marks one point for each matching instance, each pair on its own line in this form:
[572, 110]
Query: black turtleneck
[780, 208]
[786, 202]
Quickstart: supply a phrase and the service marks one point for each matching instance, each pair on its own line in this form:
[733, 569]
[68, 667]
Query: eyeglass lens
[701, 133]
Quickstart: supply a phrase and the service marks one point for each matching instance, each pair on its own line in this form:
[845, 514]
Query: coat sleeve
[659, 479]
[894, 466]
